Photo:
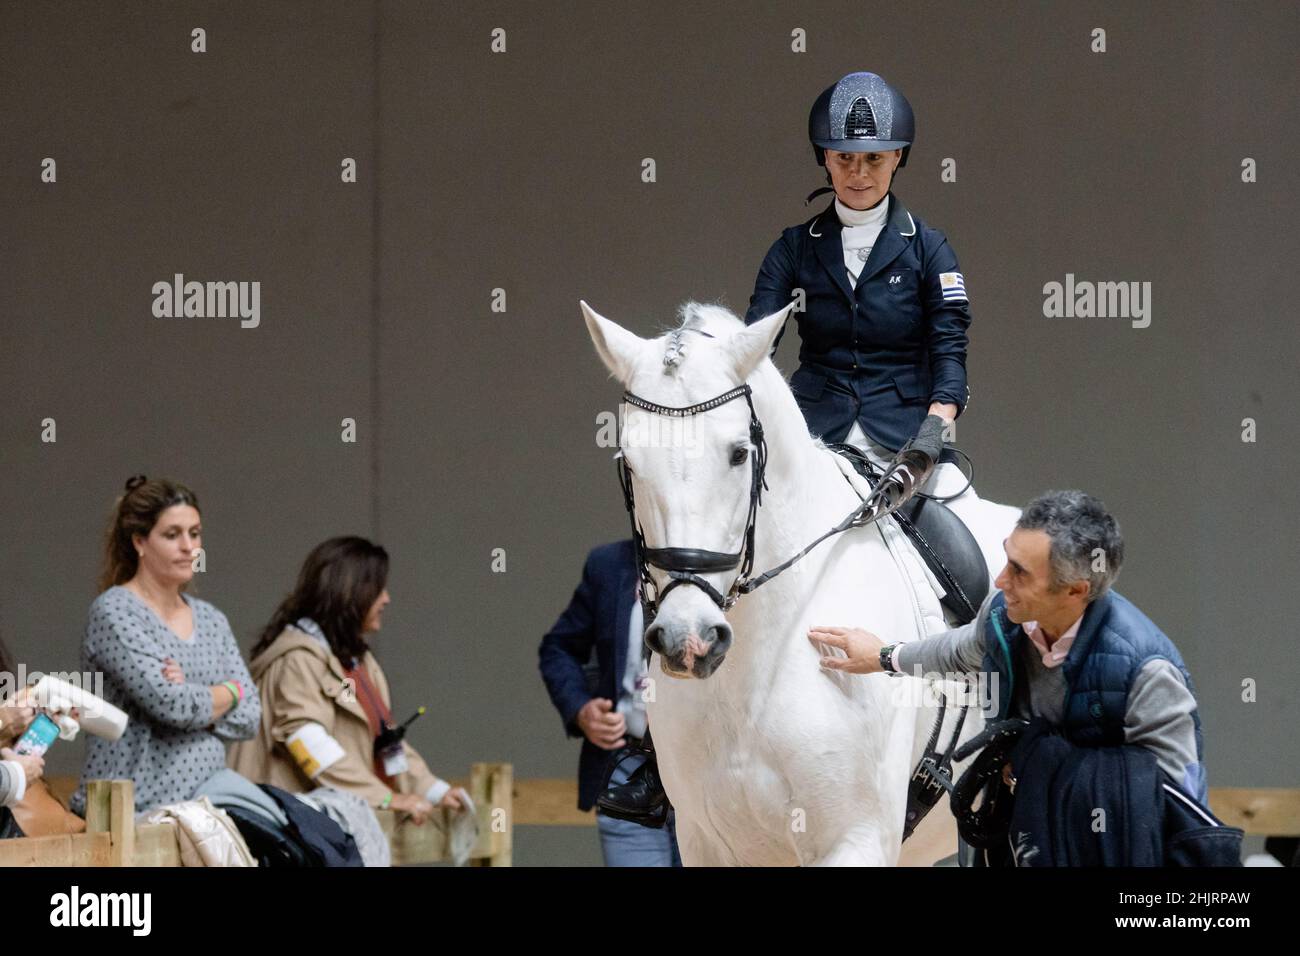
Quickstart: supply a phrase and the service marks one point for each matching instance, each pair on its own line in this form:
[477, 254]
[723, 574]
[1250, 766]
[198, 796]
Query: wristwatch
[887, 658]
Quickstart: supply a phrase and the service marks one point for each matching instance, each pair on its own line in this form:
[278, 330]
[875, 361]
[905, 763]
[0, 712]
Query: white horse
[771, 760]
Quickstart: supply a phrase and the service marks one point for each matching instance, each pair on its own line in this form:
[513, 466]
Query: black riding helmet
[860, 114]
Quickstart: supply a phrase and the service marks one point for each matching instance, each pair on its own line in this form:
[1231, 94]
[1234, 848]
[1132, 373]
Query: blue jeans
[624, 843]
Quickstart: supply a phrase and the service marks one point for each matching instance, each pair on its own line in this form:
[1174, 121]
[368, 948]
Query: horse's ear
[617, 347]
[753, 343]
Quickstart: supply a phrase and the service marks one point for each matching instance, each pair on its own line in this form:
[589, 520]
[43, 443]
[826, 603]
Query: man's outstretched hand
[862, 649]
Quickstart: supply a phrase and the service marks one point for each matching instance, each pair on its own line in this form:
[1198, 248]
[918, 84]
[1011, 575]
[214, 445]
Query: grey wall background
[521, 171]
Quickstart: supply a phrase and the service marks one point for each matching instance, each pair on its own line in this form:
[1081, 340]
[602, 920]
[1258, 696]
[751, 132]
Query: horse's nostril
[653, 636]
[722, 636]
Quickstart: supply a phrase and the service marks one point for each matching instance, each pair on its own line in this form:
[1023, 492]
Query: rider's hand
[945, 410]
[602, 725]
[862, 649]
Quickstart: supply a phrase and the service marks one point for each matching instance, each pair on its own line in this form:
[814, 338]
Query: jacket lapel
[347, 701]
[893, 239]
[829, 246]
[828, 243]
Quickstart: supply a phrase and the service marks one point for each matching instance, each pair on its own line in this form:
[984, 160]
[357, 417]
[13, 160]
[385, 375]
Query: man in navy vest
[1058, 643]
[605, 615]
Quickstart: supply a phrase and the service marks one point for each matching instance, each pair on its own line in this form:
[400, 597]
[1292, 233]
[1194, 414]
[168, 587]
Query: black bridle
[898, 483]
[685, 565]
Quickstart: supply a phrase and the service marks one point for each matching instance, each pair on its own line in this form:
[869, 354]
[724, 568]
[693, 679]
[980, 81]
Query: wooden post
[549, 803]
[1261, 811]
[491, 786]
[110, 808]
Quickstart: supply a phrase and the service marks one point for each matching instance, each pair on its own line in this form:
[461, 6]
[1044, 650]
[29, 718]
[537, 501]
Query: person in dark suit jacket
[605, 615]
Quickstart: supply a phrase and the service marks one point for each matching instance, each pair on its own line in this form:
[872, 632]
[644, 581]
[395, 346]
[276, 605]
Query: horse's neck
[807, 495]
[806, 490]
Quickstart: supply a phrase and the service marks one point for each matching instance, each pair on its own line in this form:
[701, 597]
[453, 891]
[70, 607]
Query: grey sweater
[171, 744]
[1158, 715]
[13, 782]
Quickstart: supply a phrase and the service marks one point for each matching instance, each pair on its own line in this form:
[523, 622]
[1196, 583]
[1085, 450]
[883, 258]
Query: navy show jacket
[878, 353]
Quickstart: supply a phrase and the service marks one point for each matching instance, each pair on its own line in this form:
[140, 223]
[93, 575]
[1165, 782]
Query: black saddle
[944, 543]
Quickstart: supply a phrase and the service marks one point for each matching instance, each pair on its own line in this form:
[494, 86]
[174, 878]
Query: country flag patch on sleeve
[953, 287]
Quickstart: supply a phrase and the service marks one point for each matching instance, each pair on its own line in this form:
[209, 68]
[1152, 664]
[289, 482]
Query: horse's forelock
[717, 320]
[713, 320]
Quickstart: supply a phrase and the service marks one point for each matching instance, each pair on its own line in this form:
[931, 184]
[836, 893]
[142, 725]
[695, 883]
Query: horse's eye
[739, 455]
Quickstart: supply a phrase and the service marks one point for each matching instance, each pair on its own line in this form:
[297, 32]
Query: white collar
[875, 216]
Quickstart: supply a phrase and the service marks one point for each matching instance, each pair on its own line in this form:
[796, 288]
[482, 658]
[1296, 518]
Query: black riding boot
[642, 799]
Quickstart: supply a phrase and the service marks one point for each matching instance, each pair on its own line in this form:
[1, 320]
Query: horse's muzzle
[695, 653]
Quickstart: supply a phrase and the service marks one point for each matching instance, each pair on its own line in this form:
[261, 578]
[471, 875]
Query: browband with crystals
[678, 412]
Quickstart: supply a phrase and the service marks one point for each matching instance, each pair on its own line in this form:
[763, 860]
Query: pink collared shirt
[1060, 647]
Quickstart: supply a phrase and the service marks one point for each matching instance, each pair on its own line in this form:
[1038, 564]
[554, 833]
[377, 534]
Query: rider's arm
[948, 652]
[947, 317]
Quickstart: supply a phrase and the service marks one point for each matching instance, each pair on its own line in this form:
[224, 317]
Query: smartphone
[38, 737]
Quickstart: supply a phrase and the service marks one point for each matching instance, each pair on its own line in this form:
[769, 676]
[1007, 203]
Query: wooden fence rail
[113, 838]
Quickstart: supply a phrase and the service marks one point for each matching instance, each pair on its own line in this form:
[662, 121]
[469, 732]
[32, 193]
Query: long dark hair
[136, 512]
[338, 584]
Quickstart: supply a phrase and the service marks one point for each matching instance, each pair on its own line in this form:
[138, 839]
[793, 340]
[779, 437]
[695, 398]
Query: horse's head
[692, 475]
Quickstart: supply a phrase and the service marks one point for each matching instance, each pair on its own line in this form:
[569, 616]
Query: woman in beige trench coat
[325, 700]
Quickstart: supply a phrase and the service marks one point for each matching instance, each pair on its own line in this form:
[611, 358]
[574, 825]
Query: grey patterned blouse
[170, 745]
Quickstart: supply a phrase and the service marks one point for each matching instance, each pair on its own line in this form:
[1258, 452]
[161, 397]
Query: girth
[927, 783]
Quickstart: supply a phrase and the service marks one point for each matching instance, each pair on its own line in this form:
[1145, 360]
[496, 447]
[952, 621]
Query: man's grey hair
[1086, 542]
